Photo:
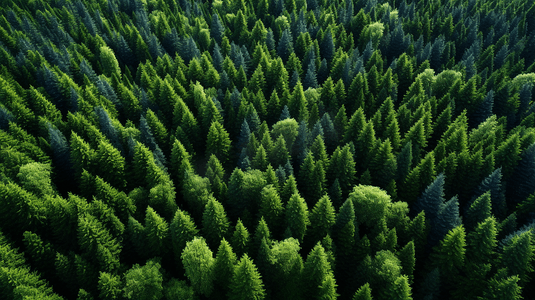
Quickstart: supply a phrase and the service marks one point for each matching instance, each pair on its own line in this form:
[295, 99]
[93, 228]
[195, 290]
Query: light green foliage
[156, 230]
[181, 231]
[240, 238]
[218, 142]
[246, 282]
[371, 205]
[322, 218]
[35, 178]
[363, 293]
[162, 199]
[373, 32]
[287, 268]
[110, 286]
[288, 128]
[110, 65]
[297, 216]
[271, 208]
[449, 255]
[224, 265]
[316, 271]
[215, 223]
[144, 282]
[518, 255]
[198, 263]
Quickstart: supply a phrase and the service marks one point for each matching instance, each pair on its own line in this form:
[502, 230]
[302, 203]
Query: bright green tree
[246, 283]
[198, 262]
[181, 231]
[316, 270]
[144, 282]
[224, 265]
[297, 216]
[240, 238]
[218, 142]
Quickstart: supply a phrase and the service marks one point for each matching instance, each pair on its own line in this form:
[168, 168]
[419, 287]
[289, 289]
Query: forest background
[285, 149]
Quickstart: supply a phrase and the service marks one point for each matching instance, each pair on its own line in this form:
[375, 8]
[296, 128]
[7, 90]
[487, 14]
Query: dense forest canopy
[267, 149]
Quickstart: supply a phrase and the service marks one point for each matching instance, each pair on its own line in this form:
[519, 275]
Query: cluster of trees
[285, 149]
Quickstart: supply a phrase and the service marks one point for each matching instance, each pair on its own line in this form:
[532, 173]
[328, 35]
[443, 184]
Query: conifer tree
[224, 265]
[215, 222]
[322, 218]
[315, 272]
[363, 293]
[271, 208]
[218, 142]
[297, 216]
[518, 255]
[449, 255]
[246, 283]
[181, 231]
[479, 210]
[344, 237]
[240, 238]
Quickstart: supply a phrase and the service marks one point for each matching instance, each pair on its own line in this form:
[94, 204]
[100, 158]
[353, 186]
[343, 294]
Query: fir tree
[246, 283]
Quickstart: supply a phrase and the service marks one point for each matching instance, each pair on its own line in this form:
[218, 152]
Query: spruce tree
[246, 283]
[215, 222]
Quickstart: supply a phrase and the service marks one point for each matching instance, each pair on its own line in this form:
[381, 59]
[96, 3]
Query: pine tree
[156, 231]
[507, 155]
[289, 188]
[355, 126]
[180, 163]
[271, 208]
[432, 199]
[479, 210]
[522, 186]
[481, 244]
[449, 255]
[240, 239]
[363, 293]
[408, 260]
[518, 255]
[246, 283]
[218, 142]
[297, 216]
[344, 232]
[322, 218]
[224, 265]
[217, 30]
[181, 231]
[98, 243]
[285, 46]
[503, 287]
[109, 285]
[215, 222]
[260, 160]
[342, 167]
[111, 165]
[315, 272]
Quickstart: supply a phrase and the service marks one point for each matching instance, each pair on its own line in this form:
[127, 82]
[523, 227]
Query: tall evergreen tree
[246, 283]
